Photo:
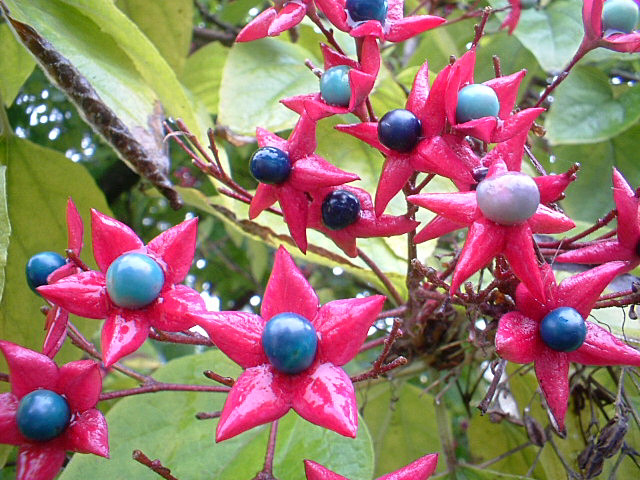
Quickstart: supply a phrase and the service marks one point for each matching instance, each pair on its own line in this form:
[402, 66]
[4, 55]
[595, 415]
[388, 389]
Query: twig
[228, 381]
[155, 387]
[71, 255]
[154, 465]
[398, 300]
[4, 377]
[488, 463]
[208, 415]
[378, 367]
[180, 338]
[491, 391]
[479, 29]
[271, 449]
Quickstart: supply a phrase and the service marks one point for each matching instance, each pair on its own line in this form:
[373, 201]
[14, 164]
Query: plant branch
[155, 387]
[154, 465]
[397, 299]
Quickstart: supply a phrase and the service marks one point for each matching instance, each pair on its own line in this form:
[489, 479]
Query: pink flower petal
[515, 124]
[601, 252]
[602, 348]
[9, 432]
[237, 334]
[361, 85]
[28, 370]
[510, 152]
[419, 91]
[111, 239]
[342, 327]
[315, 471]
[592, 18]
[627, 205]
[629, 43]
[123, 332]
[513, 16]
[369, 28]
[65, 270]
[518, 338]
[433, 116]
[552, 187]
[57, 320]
[295, 206]
[81, 383]
[83, 294]
[333, 58]
[396, 171]
[264, 197]
[435, 156]
[39, 462]
[459, 207]
[302, 141]
[256, 398]
[518, 248]
[436, 228]
[291, 15]
[546, 220]
[533, 308]
[267, 139]
[176, 247]
[75, 228]
[506, 89]
[408, 27]
[288, 290]
[171, 312]
[396, 10]
[88, 433]
[314, 172]
[367, 132]
[420, 469]
[258, 27]
[370, 57]
[335, 13]
[552, 370]
[481, 128]
[324, 395]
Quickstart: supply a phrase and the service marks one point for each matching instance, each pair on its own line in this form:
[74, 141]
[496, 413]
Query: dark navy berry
[40, 266]
[399, 130]
[134, 280]
[340, 209]
[619, 16]
[290, 342]
[334, 86]
[563, 329]
[476, 101]
[508, 199]
[42, 415]
[363, 10]
[270, 165]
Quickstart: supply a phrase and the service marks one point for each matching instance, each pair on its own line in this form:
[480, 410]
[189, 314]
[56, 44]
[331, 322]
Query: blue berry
[40, 266]
[334, 86]
[399, 130]
[476, 101]
[363, 10]
[619, 16]
[508, 199]
[134, 280]
[270, 165]
[340, 209]
[290, 342]
[563, 329]
[42, 415]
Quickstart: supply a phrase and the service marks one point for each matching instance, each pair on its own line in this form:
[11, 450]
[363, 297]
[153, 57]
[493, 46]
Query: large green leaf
[202, 74]
[39, 182]
[256, 77]
[15, 65]
[5, 226]
[587, 109]
[167, 23]
[164, 426]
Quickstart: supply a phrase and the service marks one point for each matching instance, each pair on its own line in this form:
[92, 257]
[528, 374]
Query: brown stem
[71, 255]
[180, 338]
[208, 415]
[497, 375]
[568, 241]
[378, 367]
[271, 449]
[228, 381]
[537, 165]
[313, 15]
[397, 298]
[161, 387]
[4, 377]
[486, 12]
[154, 465]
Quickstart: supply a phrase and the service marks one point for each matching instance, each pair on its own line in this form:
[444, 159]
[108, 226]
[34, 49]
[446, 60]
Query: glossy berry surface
[619, 16]
[42, 415]
[340, 209]
[334, 86]
[134, 280]
[476, 101]
[508, 199]
[399, 130]
[270, 165]
[290, 342]
[40, 266]
[563, 329]
[363, 10]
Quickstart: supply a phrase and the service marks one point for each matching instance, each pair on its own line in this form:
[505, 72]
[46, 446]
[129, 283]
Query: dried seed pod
[535, 432]
[612, 435]
[590, 461]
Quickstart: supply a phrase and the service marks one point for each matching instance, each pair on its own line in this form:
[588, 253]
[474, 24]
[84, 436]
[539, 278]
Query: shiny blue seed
[290, 342]
[476, 101]
[42, 415]
[134, 280]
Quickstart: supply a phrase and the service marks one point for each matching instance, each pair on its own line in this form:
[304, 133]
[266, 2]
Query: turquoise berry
[363, 10]
[619, 16]
[340, 209]
[42, 415]
[399, 130]
[290, 342]
[476, 101]
[134, 280]
[526, 4]
[270, 165]
[508, 199]
[40, 266]
[334, 86]
[563, 329]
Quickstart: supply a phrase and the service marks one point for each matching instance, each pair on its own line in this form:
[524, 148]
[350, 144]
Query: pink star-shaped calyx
[275, 20]
[367, 224]
[627, 244]
[518, 338]
[125, 329]
[486, 238]
[79, 383]
[362, 77]
[513, 16]
[421, 469]
[323, 393]
[309, 172]
[432, 153]
[395, 28]
[487, 129]
[594, 36]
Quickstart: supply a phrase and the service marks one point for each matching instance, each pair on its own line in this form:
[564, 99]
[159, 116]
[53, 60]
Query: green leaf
[402, 423]
[616, 321]
[467, 472]
[587, 109]
[202, 74]
[167, 23]
[163, 425]
[5, 226]
[15, 65]
[256, 76]
[5, 451]
[437, 45]
[39, 182]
